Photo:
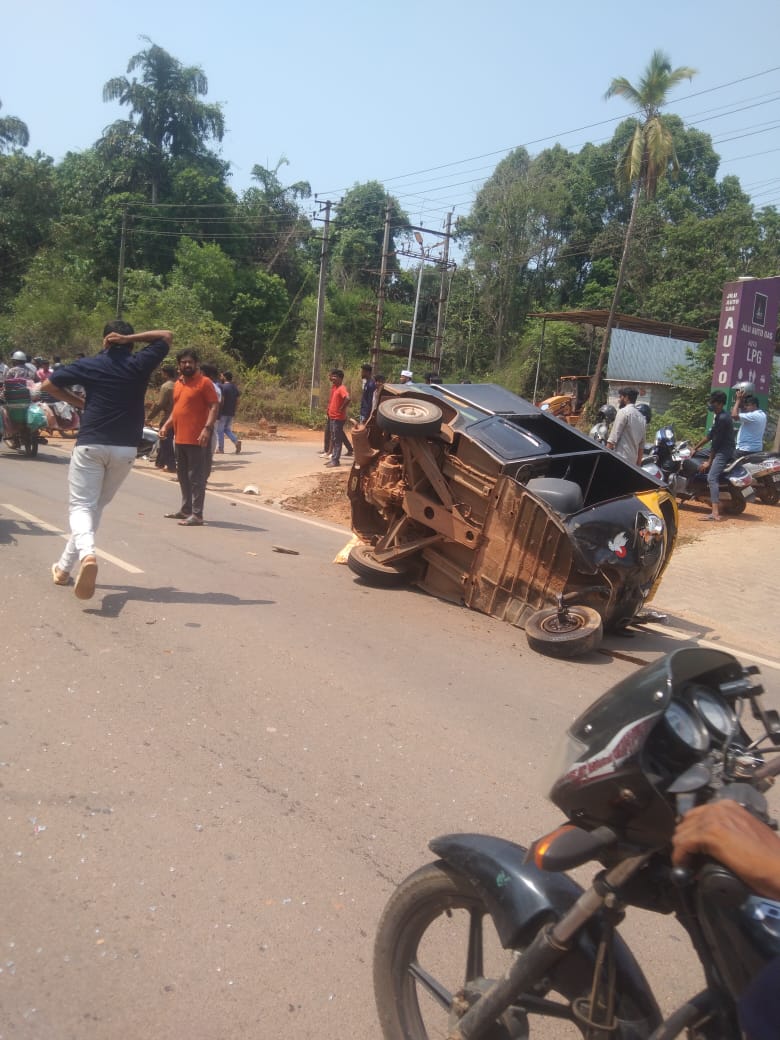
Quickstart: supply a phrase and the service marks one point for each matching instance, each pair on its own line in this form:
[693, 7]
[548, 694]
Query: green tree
[28, 210]
[502, 244]
[357, 235]
[647, 158]
[167, 118]
[13, 132]
[211, 274]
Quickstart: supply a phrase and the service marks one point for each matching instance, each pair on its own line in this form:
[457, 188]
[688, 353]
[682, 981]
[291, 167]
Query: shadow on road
[118, 595]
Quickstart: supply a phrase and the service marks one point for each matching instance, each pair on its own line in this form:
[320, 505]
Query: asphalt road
[213, 773]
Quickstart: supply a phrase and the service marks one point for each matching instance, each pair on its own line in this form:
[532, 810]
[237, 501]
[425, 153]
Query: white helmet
[19, 355]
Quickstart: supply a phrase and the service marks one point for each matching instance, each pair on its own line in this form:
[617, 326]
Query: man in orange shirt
[194, 415]
[337, 414]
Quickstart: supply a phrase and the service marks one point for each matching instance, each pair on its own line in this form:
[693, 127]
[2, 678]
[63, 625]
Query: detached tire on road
[361, 561]
[409, 417]
[578, 632]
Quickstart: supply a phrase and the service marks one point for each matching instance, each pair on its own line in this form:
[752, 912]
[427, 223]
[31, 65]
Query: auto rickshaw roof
[488, 397]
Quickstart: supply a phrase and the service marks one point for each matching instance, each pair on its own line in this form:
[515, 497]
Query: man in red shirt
[195, 409]
[337, 414]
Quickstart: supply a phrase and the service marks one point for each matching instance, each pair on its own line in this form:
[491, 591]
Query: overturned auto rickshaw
[481, 498]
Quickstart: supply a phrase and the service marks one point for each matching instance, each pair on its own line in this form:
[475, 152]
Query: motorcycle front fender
[521, 898]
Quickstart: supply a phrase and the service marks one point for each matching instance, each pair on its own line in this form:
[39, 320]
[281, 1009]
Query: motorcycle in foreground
[679, 468]
[491, 939]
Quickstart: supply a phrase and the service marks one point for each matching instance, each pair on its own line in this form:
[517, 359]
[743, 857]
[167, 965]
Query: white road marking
[246, 500]
[673, 633]
[123, 564]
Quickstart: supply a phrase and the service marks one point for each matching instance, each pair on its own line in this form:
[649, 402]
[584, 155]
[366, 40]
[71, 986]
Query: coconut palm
[165, 110]
[13, 132]
[648, 157]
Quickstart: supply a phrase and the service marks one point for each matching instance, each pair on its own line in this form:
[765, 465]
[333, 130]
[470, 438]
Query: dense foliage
[237, 273]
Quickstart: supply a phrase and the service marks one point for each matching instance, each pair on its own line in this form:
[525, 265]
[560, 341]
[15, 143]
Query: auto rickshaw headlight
[649, 535]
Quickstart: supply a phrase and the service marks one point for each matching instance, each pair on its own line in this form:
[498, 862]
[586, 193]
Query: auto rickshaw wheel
[361, 561]
[410, 417]
[567, 632]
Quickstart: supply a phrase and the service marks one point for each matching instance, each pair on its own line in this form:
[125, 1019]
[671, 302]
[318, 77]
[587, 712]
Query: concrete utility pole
[380, 303]
[120, 278]
[317, 359]
[437, 343]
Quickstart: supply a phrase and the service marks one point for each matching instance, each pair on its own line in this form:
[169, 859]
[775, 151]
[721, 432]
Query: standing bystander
[115, 383]
[337, 414]
[367, 396]
[194, 415]
[164, 406]
[627, 436]
[227, 413]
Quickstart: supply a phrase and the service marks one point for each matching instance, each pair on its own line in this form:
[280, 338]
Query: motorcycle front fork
[548, 947]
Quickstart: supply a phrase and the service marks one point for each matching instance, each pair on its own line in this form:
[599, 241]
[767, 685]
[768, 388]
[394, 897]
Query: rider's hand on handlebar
[733, 836]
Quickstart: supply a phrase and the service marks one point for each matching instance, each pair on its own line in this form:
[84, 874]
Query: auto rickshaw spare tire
[410, 417]
[570, 633]
[361, 561]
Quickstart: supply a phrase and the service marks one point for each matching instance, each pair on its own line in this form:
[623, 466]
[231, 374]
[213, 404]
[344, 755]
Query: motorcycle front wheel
[436, 948]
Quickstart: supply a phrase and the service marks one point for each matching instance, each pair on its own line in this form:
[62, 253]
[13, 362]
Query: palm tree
[648, 157]
[171, 119]
[13, 132]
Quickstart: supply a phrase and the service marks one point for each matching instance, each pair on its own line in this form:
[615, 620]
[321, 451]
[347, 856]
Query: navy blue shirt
[115, 382]
[230, 396]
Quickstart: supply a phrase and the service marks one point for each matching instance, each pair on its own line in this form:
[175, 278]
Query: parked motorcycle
[599, 431]
[764, 468]
[663, 740]
[149, 443]
[679, 468]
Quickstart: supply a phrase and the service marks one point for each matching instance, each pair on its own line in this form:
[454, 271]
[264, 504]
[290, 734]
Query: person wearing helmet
[627, 436]
[19, 368]
[752, 422]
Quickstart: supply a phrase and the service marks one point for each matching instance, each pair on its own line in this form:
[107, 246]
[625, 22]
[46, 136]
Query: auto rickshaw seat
[564, 496]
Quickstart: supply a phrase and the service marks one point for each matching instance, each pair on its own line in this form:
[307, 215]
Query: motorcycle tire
[30, 444]
[736, 503]
[768, 494]
[436, 938]
[410, 417]
[361, 561]
[580, 631]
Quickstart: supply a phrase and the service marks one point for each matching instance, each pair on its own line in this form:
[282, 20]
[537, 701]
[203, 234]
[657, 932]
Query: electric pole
[317, 360]
[120, 280]
[380, 303]
[437, 343]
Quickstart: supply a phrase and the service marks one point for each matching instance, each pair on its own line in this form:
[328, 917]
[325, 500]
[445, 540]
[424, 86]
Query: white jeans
[95, 474]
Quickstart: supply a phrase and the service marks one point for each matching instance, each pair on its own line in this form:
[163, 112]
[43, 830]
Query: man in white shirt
[627, 436]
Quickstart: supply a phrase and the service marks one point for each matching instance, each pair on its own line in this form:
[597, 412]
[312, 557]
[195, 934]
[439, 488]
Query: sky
[424, 96]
